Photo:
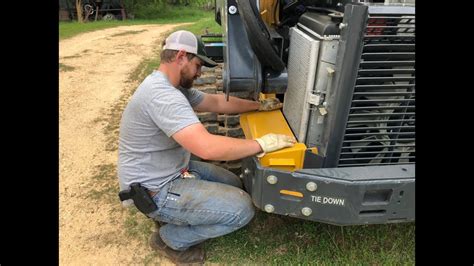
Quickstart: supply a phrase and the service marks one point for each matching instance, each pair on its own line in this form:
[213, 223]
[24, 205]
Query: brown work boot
[194, 254]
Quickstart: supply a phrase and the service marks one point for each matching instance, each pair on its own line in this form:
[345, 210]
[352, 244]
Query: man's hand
[272, 142]
[269, 104]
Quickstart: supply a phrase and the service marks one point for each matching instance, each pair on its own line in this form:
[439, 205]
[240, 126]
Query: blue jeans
[195, 209]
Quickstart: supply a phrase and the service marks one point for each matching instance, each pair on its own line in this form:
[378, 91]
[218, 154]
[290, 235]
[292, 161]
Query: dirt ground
[94, 69]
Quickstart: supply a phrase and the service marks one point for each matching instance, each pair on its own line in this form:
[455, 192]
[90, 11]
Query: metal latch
[314, 99]
[322, 110]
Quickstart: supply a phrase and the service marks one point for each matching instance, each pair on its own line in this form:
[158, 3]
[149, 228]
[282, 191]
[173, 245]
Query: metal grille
[381, 123]
[302, 62]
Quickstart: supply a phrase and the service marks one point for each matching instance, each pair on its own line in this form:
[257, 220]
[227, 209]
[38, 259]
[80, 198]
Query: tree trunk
[79, 11]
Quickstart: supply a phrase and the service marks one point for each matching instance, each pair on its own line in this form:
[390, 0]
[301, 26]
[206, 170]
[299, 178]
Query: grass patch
[63, 67]
[111, 129]
[200, 26]
[146, 66]
[130, 32]
[71, 56]
[108, 193]
[104, 183]
[138, 226]
[172, 15]
[105, 172]
[273, 239]
[165, 13]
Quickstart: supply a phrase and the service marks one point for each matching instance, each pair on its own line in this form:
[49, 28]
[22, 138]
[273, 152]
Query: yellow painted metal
[257, 124]
[291, 193]
[268, 12]
[262, 96]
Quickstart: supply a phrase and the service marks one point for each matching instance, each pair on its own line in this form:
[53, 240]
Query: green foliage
[152, 9]
[172, 15]
[162, 11]
[200, 27]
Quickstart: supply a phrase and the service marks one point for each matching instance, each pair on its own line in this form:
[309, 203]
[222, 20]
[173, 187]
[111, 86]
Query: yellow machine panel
[269, 10]
[257, 124]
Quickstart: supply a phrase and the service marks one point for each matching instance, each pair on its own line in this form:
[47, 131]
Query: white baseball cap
[187, 41]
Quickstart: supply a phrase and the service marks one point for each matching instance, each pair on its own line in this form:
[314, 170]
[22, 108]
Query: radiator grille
[381, 123]
[302, 62]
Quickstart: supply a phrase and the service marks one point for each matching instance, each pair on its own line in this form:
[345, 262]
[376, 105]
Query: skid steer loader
[345, 72]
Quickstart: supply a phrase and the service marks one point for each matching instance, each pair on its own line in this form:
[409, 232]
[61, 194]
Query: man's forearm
[197, 140]
[228, 149]
[236, 105]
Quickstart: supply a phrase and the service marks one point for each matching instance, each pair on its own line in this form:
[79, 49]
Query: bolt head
[306, 211]
[311, 186]
[269, 208]
[232, 10]
[271, 179]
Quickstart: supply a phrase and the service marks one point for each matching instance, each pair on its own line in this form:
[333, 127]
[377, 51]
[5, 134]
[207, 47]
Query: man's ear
[180, 56]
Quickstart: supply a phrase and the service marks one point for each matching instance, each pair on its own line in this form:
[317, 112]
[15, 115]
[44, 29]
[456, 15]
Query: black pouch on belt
[142, 200]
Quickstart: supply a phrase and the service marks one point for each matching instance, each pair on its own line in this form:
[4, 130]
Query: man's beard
[185, 81]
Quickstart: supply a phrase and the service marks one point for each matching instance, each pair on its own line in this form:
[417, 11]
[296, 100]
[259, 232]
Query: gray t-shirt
[147, 152]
